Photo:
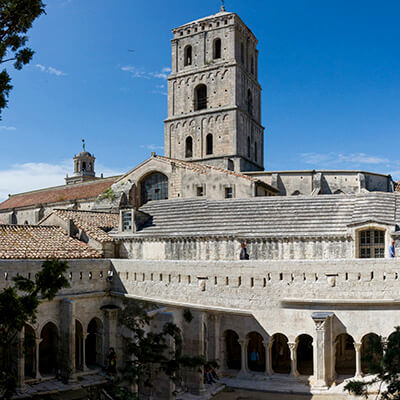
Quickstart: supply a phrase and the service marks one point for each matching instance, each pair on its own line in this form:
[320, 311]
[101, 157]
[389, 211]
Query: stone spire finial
[83, 144]
[222, 5]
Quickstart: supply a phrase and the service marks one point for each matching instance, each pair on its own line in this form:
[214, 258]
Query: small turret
[83, 167]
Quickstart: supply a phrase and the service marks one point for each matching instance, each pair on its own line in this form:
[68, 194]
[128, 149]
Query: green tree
[150, 353]
[16, 18]
[19, 305]
[383, 363]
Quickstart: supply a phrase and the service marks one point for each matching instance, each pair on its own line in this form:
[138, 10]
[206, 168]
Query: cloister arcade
[42, 349]
[276, 356]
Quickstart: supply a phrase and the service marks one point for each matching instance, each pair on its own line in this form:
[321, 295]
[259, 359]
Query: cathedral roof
[41, 242]
[58, 194]
[94, 223]
[270, 217]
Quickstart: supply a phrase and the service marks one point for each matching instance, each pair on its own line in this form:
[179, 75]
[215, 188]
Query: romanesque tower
[214, 111]
[83, 167]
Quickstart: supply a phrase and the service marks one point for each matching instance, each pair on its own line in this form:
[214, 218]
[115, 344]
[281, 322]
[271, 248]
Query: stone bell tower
[214, 110]
[83, 167]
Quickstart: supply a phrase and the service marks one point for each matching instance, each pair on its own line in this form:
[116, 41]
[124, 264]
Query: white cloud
[332, 159]
[30, 176]
[152, 147]
[7, 128]
[50, 70]
[141, 73]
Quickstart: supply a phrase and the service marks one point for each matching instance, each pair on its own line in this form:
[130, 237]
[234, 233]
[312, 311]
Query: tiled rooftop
[56, 194]
[92, 222]
[41, 242]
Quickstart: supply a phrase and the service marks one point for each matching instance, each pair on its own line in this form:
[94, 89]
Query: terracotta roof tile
[80, 191]
[41, 242]
[92, 222]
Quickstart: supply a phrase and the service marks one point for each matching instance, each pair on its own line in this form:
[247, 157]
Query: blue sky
[329, 71]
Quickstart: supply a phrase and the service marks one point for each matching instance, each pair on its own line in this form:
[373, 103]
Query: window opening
[217, 48]
[209, 144]
[372, 244]
[189, 147]
[188, 56]
[200, 93]
[154, 187]
[228, 193]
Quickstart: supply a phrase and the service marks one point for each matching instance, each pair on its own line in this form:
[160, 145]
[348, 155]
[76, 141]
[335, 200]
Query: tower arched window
[188, 56]
[154, 187]
[248, 147]
[217, 49]
[83, 166]
[249, 102]
[200, 97]
[209, 144]
[189, 147]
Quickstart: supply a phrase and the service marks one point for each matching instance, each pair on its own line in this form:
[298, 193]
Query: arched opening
[280, 354]
[248, 147]
[200, 97]
[250, 102]
[189, 147]
[338, 192]
[78, 346]
[217, 49]
[94, 344]
[345, 363]
[305, 355]
[233, 350]
[371, 352]
[296, 193]
[209, 144]
[255, 352]
[48, 350]
[231, 165]
[29, 352]
[154, 187]
[188, 56]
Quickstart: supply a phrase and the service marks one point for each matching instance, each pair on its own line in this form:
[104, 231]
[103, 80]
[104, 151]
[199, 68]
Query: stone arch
[338, 191]
[79, 356]
[305, 355]
[296, 193]
[233, 354]
[280, 354]
[255, 352]
[48, 349]
[371, 351]
[153, 186]
[30, 351]
[200, 97]
[345, 355]
[94, 343]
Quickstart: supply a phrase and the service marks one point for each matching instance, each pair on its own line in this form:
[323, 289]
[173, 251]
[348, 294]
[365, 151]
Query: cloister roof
[41, 242]
[94, 223]
[281, 216]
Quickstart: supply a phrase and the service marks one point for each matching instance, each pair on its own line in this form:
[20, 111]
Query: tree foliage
[16, 18]
[383, 363]
[19, 305]
[150, 352]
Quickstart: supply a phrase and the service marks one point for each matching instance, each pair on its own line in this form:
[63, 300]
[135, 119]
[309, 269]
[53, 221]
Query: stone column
[67, 340]
[323, 350]
[37, 344]
[243, 346]
[293, 359]
[84, 366]
[268, 362]
[384, 345]
[20, 359]
[357, 347]
[110, 330]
